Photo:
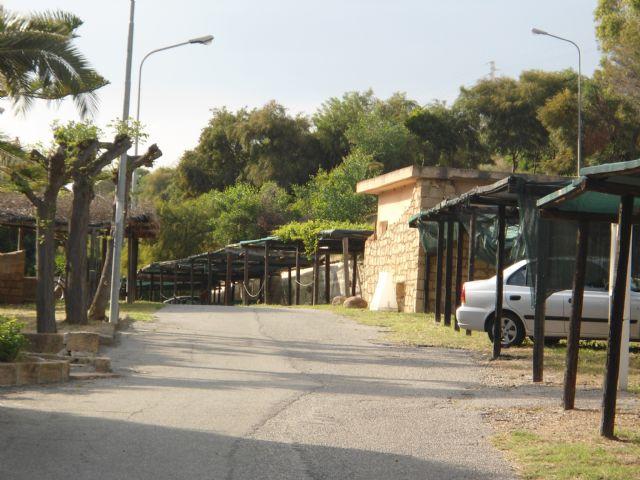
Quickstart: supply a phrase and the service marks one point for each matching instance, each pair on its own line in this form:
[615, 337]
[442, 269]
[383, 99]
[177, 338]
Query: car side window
[596, 277]
[519, 277]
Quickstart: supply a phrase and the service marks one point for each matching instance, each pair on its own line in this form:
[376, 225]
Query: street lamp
[206, 40]
[537, 31]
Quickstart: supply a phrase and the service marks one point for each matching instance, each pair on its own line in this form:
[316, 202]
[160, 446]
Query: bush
[11, 340]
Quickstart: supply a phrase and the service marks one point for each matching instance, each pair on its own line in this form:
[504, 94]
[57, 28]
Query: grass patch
[541, 457]
[141, 311]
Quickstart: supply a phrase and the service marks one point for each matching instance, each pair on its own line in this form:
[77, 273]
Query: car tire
[512, 328]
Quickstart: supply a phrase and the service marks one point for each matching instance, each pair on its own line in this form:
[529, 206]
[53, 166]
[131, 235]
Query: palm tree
[38, 61]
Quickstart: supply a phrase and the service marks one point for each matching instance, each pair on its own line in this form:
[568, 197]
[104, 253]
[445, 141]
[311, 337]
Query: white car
[478, 306]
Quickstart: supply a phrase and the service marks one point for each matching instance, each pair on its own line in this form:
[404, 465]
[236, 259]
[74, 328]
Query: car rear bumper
[471, 318]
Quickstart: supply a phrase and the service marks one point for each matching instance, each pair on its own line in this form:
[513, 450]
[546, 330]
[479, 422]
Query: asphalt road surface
[228, 393]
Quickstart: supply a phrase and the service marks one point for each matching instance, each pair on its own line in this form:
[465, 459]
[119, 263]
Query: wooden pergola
[500, 200]
[247, 260]
[605, 193]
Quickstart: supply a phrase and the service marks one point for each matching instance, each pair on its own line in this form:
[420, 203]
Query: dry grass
[26, 314]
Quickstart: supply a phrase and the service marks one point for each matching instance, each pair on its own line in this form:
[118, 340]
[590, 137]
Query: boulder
[102, 364]
[355, 302]
[339, 300]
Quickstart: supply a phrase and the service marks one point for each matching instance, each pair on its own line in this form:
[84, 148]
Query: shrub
[11, 340]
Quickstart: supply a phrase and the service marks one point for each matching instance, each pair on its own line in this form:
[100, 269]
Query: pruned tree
[84, 175]
[40, 178]
[98, 308]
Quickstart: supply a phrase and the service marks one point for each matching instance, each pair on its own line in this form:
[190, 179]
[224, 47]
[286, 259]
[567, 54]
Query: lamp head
[206, 40]
[537, 31]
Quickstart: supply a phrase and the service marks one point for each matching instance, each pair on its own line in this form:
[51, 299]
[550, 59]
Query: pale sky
[301, 52]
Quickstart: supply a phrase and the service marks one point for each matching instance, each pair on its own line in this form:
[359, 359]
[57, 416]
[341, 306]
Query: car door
[518, 298]
[595, 303]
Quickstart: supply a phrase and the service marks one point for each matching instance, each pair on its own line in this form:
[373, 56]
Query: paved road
[237, 393]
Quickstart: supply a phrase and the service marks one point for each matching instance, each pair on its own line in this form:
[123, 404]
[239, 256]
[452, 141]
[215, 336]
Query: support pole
[354, 273]
[297, 275]
[448, 274]
[471, 260]
[152, 286]
[132, 253]
[289, 287]
[191, 278]
[227, 281]
[245, 277]
[161, 285]
[20, 239]
[439, 262]
[426, 282]
[327, 278]
[316, 274]
[345, 264]
[458, 278]
[497, 319]
[616, 311]
[175, 279]
[209, 302]
[267, 296]
[571, 367]
[540, 305]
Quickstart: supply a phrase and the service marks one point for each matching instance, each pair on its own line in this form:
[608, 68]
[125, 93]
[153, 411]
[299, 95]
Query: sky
[300, 53]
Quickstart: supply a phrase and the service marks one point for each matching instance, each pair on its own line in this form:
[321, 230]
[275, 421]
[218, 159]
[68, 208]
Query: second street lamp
[537, 31]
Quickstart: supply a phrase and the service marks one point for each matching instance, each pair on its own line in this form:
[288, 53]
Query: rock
[83, 342]
[339, 300]
[27, 373]
[44, 342]
[53, 372]
[355, 302]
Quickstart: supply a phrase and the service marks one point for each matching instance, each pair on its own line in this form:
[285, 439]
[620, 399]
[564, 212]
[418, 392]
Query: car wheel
[513, 332]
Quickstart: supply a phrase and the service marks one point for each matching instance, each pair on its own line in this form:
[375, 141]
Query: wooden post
[209, 302]
[316, 274]
[175, 279]
[327, 277]
[540, 300]
[426, 282]
[297, 275]
[345, 264]
[571, 367]
[497, 319]
[103, 251]
[227, 281]
[233, 292]
[245, 278]
[448, 274]
[191, 278]
[132, 250]
[458, 279]
[20, 239]
[161, 285]
[439, 262]
[619, 291]
[290, 287]
[152, 288]
[471, 254]
[354, 273]
[267, 296]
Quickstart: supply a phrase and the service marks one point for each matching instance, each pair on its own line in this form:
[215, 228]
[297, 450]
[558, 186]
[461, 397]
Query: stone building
[395, 247]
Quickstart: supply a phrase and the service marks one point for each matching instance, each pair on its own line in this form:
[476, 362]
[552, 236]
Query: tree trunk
[45, 261]
[76, 293]
[98, 308]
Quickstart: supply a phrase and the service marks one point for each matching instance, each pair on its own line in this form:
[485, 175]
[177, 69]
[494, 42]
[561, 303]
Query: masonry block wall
[12, 277]
[397, 249]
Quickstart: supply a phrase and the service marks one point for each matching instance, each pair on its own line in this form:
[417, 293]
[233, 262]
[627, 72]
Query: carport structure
[241, 262]
[504, 201]
[606, 193]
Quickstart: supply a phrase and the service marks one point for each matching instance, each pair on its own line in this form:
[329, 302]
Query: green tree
[332, 195]
[39, 61]
[448, 137]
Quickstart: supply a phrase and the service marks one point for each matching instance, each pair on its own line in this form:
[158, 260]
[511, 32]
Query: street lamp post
[537, 31]
[206, 40]
[118, 228]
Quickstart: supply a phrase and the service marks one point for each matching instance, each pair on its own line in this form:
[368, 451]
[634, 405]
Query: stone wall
[398, 251]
